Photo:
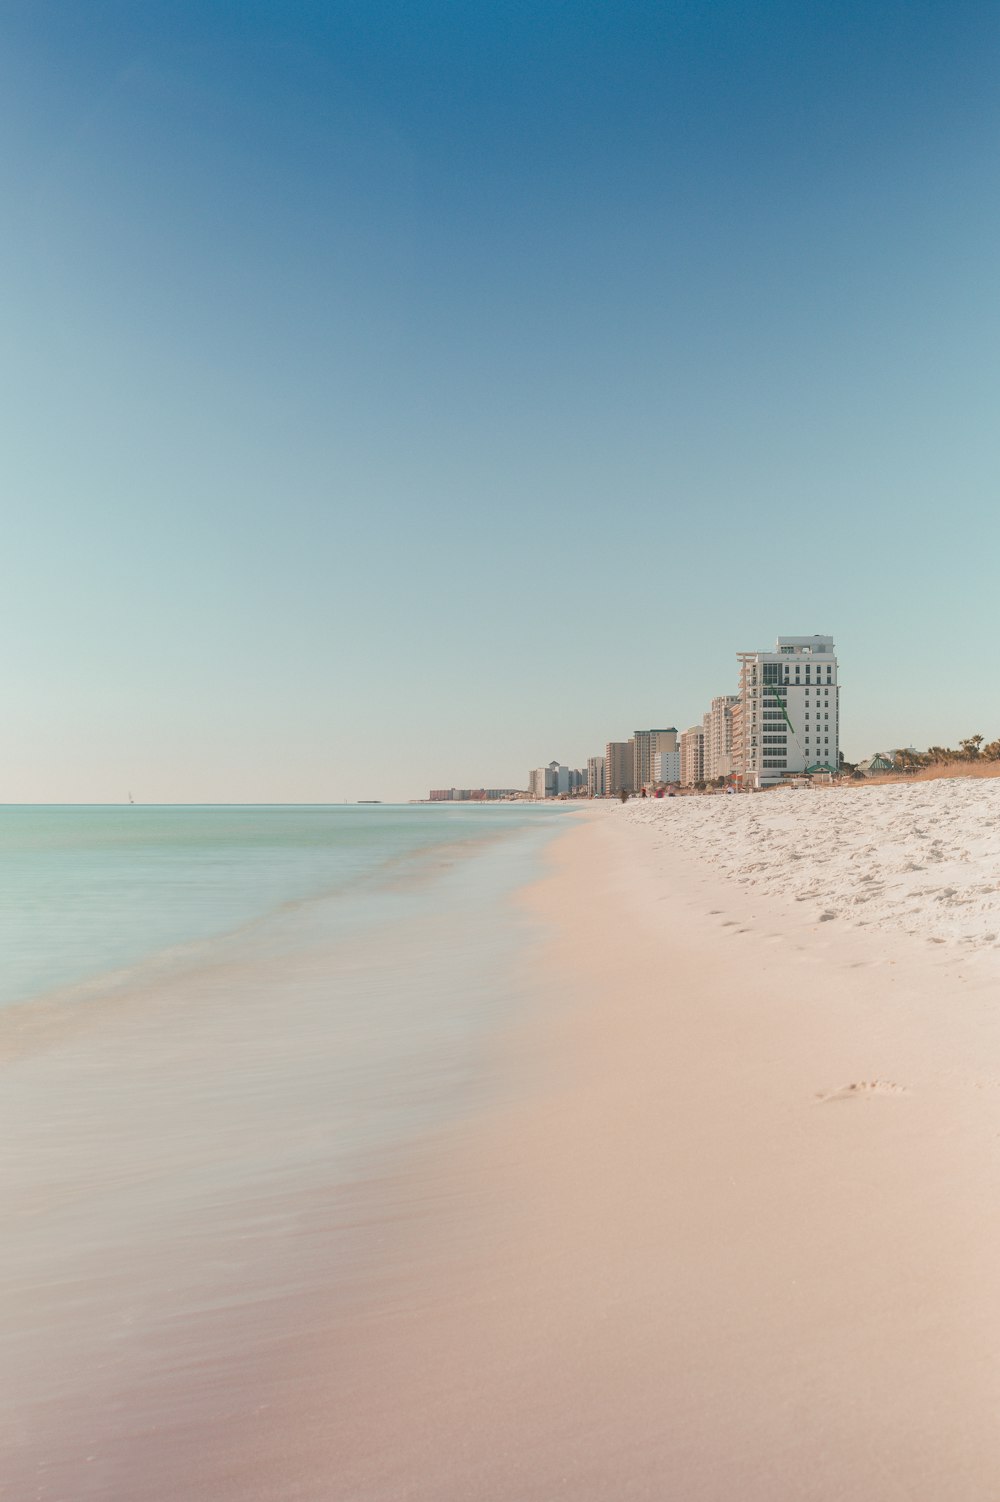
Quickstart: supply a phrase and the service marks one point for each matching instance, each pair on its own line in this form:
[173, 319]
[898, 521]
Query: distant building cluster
[473, 795]
[782, 721]
[555, 781]
[648, 757]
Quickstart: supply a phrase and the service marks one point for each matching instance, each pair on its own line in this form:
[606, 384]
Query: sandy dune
[923, 858]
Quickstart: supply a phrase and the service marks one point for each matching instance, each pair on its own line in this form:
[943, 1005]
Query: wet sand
[727, 1228]
[741, 1244]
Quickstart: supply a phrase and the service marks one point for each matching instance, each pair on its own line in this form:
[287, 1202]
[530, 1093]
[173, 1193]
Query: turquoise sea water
[226, 1033]
[88, 890]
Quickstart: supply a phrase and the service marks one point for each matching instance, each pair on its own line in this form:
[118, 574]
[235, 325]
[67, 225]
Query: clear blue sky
[399, 395]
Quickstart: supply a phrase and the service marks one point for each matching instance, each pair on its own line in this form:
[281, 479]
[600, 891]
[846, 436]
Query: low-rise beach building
[880, 762]
[473, 795]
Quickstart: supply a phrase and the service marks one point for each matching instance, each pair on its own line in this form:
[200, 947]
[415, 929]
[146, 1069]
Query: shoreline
[738, 1242]
[721, 1223]
[198, 1167]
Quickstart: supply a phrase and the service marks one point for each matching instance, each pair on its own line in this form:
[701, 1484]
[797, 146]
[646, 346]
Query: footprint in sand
[862, 1088]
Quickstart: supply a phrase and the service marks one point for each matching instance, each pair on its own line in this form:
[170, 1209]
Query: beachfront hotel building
[645, 744]
[595, 777]
[554, 781]
[736, 721]
[619, 767]
[789, 711]
[693, 755]
[718, 727]
[546, 782]
[666, 766]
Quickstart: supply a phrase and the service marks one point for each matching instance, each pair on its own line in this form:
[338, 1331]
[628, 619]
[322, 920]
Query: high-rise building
[718, 727]
[736, 716]
[666, 766]
[789, 710]
[646, 743]
[595, 776]
[693, 755]
[619, 770]
[538, 782]
[550, 781]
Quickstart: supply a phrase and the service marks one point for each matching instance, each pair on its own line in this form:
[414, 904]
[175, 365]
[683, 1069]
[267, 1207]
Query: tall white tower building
[595, 776]
[789, 710]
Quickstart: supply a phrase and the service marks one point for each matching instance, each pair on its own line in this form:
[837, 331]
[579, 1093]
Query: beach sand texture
[729, 1227]
[743, 1243]
[917, 858]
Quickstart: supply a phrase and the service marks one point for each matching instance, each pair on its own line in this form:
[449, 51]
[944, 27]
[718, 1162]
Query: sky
[399, 395]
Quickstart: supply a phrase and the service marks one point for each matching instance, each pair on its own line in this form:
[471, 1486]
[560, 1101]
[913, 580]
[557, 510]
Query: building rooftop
[805, 644]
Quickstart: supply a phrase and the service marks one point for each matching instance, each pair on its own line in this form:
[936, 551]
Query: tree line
[971, 749]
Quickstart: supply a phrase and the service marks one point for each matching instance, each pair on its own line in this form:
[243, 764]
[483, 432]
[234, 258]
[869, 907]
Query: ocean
[85, 891]
[218, 1028]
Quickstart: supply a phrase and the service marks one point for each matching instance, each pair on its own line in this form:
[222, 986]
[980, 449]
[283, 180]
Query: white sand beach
[919, 858]
[741, 1241]
[725, 1224]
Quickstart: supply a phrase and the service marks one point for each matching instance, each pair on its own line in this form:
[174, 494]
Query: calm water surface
[88, 890]
[223, 1031]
